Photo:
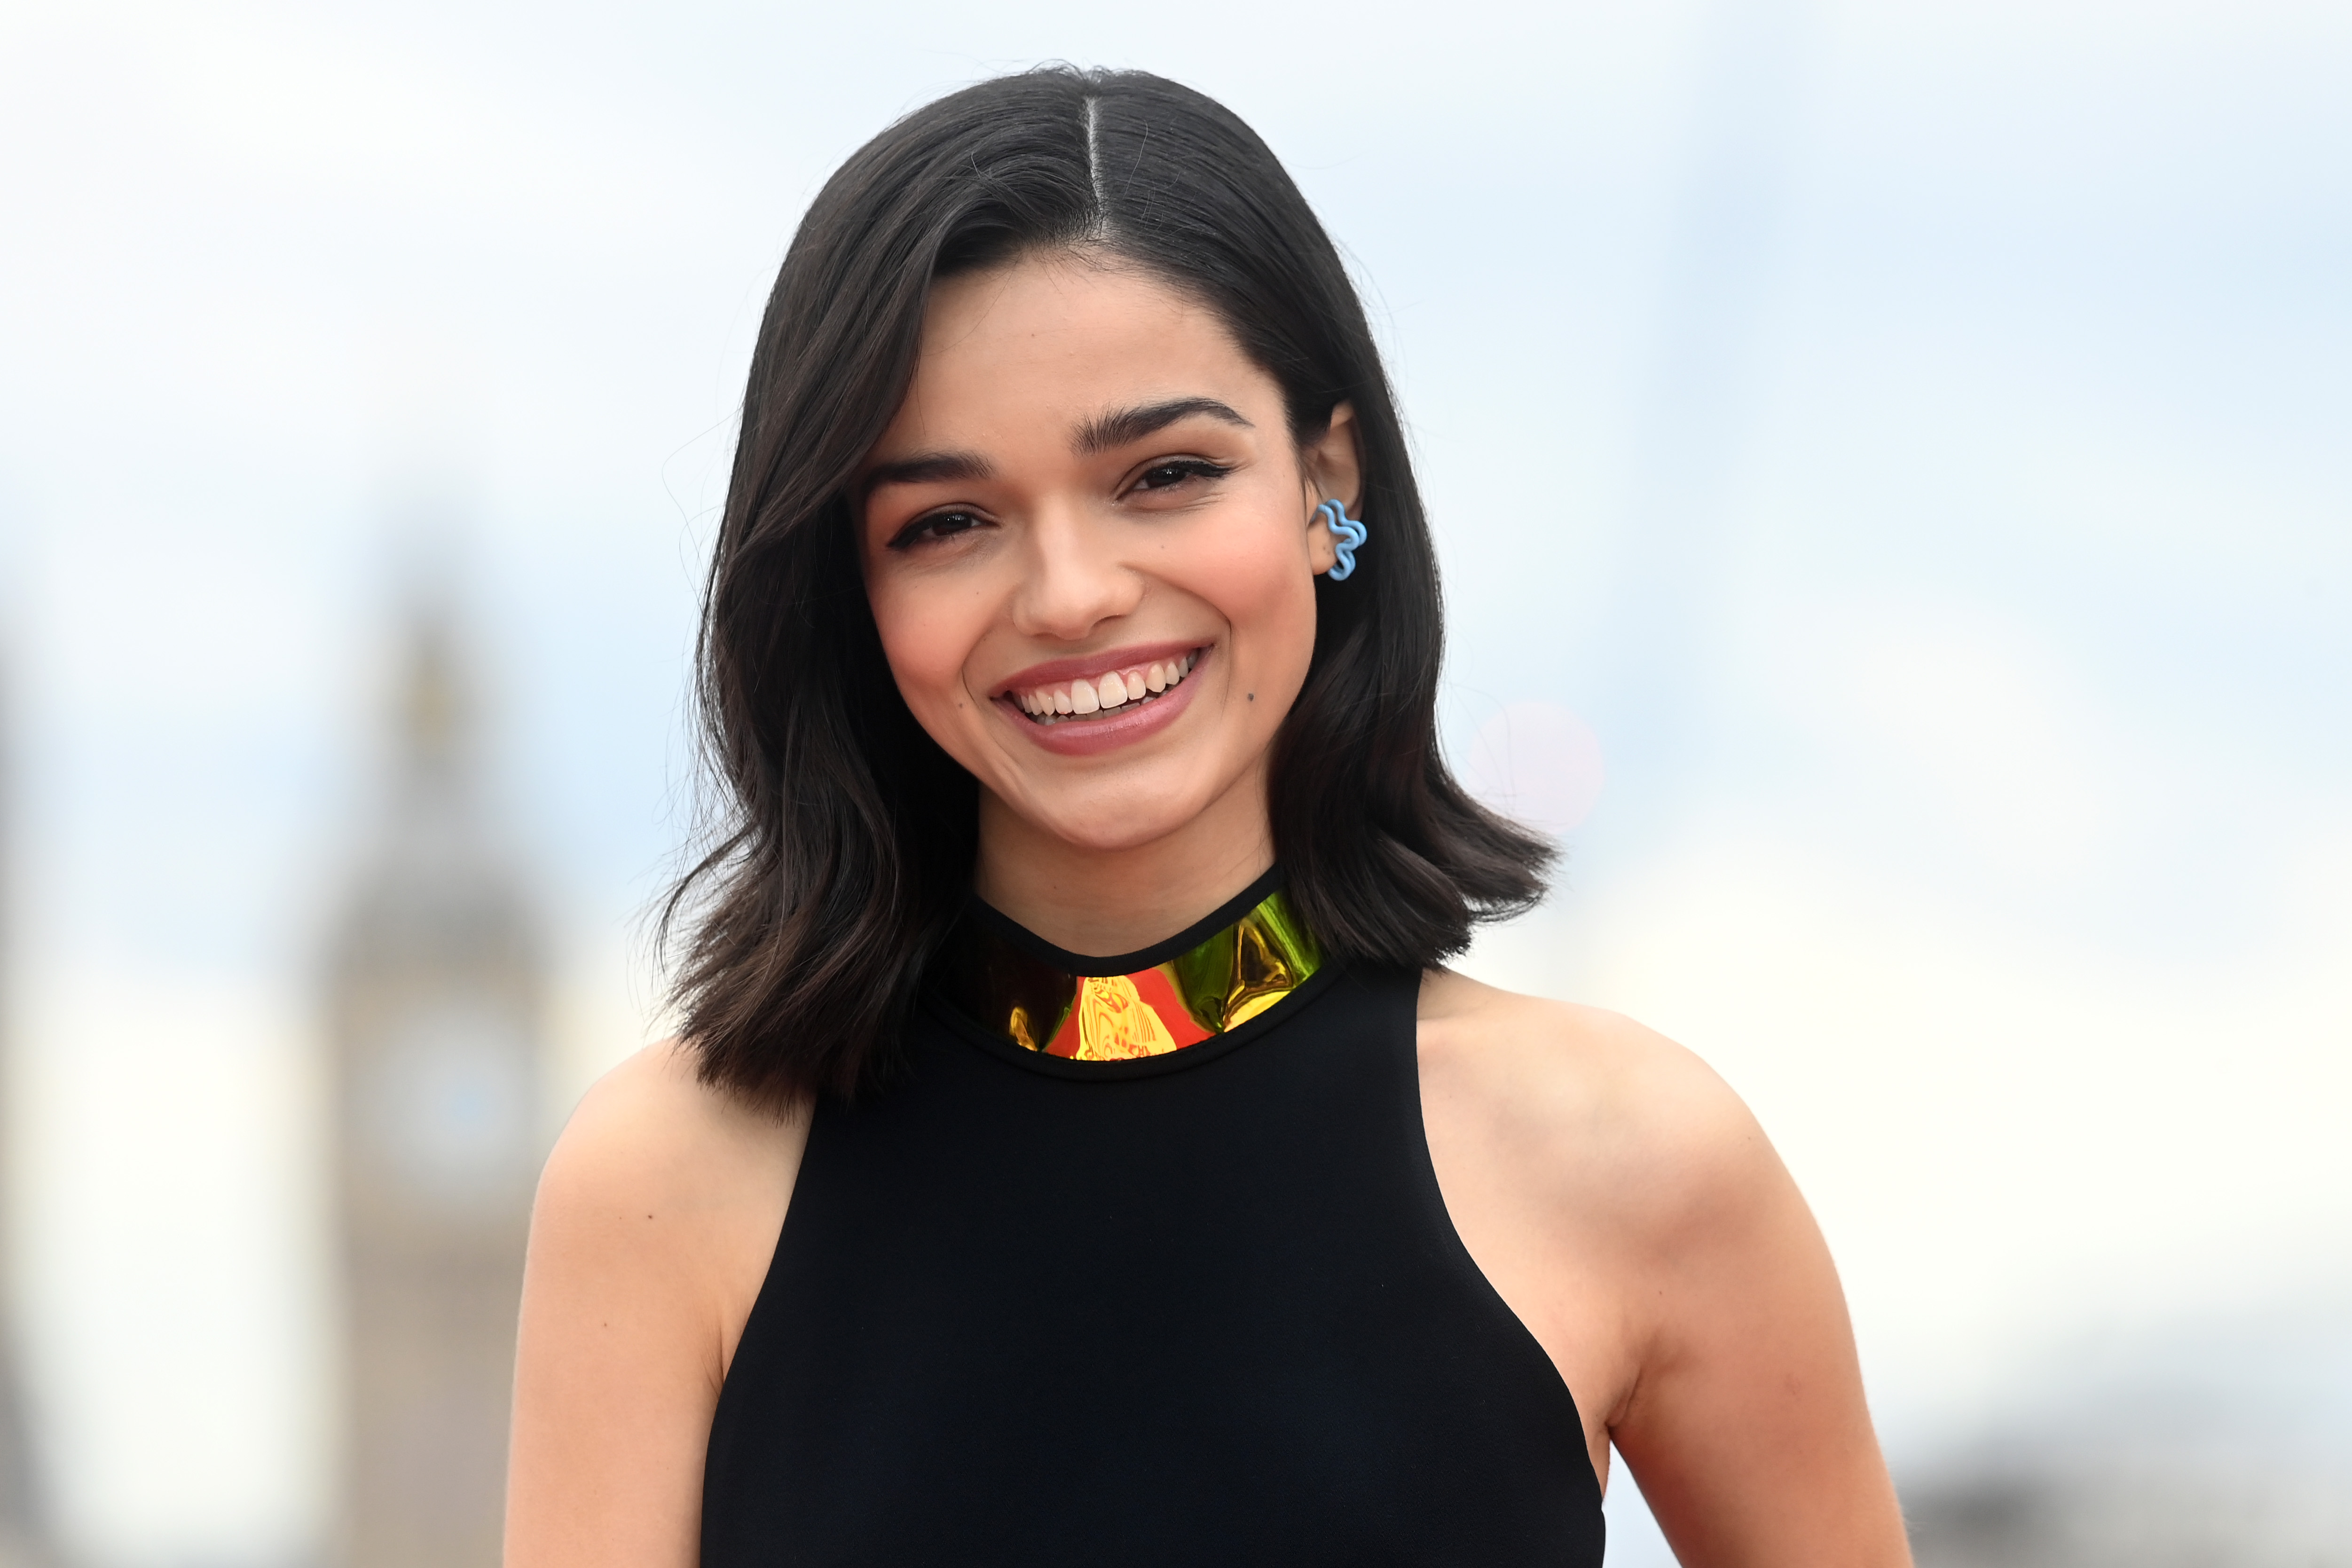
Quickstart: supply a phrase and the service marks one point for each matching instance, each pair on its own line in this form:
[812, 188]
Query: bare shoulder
[651, 1237]
[651, 1127]
[1627, 1205]
[656, 1168]
[1588, 1107]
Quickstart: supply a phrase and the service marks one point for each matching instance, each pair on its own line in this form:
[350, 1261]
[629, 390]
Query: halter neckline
[1208, 979]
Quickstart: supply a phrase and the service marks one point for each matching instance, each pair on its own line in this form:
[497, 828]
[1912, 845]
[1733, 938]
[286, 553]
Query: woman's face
[1090, 546]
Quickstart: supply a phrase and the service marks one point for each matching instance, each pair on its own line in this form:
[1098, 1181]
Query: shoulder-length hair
[849, 836]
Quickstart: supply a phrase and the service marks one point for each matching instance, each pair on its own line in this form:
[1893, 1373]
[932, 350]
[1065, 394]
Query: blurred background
[1892, 471]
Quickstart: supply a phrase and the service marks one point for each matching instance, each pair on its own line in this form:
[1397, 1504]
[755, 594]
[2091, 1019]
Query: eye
[1174, 471]
[936, 526]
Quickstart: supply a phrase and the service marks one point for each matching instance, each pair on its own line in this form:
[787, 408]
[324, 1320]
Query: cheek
[926, 638]
[1260, 581]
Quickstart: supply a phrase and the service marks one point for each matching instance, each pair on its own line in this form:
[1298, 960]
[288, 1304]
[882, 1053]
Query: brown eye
[937, 525]
[1164, 476]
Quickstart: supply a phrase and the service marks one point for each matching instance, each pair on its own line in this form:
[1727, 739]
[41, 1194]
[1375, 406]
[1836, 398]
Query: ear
[1332, 467]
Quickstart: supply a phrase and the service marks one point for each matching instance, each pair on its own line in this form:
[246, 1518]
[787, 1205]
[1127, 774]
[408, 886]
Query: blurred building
[2211, 1444]
[435, 1024]
[24, 1543]
[2126, 1510]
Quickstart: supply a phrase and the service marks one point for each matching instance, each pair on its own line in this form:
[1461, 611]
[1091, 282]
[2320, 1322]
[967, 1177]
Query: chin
[1131, 835]
[1118, 845]
[1112, 820]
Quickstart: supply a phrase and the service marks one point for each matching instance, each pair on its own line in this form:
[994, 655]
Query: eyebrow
[925, 468]
[1125, 425]
[1103, 433]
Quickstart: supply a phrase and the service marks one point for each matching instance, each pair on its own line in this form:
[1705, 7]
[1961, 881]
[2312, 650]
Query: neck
[1105, 901]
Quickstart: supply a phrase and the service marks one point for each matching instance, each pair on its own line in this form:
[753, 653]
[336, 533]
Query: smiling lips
[1112, 689]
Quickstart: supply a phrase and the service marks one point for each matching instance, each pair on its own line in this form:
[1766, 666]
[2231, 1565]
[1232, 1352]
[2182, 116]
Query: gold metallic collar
[1218, 974]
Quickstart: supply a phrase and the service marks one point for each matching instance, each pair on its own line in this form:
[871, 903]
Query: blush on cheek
[925, 652]
[1256, 575]
[1267, 596]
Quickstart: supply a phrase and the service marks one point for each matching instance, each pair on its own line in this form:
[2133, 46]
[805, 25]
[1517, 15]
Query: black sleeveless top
[1199, 1308]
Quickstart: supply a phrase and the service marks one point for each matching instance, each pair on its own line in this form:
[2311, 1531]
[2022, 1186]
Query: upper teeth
[1109, 690]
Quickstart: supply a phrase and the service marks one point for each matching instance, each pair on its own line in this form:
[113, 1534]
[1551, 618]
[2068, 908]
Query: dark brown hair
[849, 836]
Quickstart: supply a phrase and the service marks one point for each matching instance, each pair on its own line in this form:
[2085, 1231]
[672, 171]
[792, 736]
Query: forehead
[1044, 344]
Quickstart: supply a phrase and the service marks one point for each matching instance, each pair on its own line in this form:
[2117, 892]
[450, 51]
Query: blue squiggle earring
[1348, 534]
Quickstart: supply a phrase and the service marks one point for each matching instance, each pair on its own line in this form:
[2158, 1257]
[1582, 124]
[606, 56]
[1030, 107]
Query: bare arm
[654, 1226]
[1746, 1425]
[1626, 1204]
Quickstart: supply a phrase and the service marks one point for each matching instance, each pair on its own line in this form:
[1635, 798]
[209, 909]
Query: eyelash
[1184, 469]
[927, 526]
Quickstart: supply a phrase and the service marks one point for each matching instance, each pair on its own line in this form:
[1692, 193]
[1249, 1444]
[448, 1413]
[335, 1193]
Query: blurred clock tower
[24, 1543]
[434, 1015]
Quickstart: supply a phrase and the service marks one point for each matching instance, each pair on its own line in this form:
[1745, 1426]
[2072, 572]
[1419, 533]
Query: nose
[1074, 580]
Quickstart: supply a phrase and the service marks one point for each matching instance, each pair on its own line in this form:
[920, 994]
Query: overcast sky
[1895, 453]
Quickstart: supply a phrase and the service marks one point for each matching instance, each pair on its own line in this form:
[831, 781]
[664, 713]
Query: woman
[1075, 1154]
